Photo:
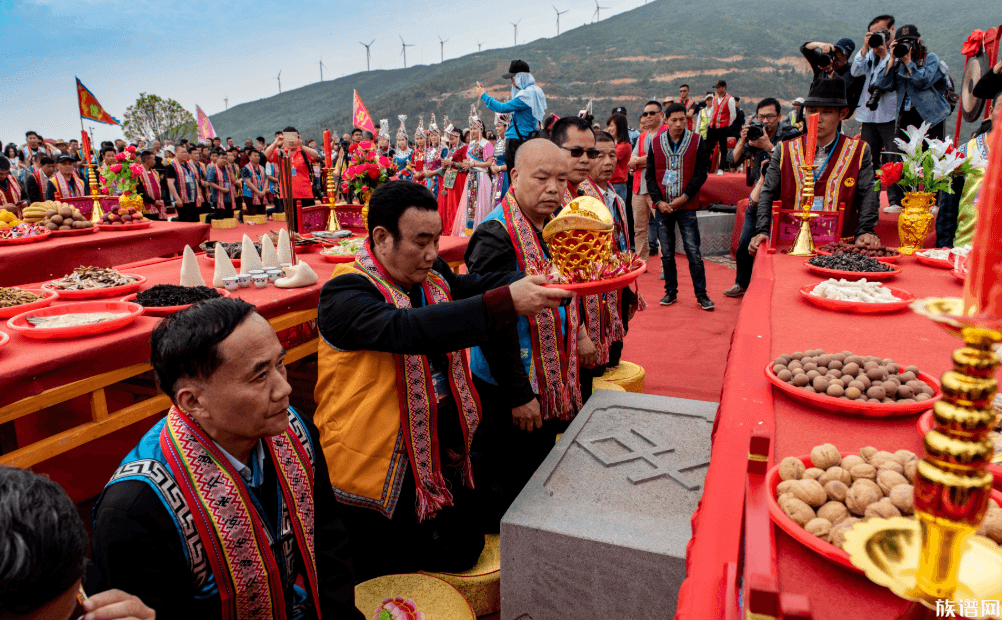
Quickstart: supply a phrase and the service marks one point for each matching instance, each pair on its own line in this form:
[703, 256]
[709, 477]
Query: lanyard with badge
[674, 157]
[818, 204]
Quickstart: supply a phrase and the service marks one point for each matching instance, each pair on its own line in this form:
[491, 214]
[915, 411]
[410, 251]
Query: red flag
[91, 109]
[360, 114]
[205, 131]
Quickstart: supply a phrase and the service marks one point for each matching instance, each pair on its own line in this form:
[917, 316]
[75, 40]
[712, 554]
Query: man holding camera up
[827, 60]
[916, 75]
[756, 143]
[877, 117]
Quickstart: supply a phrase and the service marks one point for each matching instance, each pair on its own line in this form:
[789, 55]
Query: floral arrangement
[366, 169]
[125, 174]
[928, 165]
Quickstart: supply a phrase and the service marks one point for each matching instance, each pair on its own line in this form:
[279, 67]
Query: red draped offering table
[56, 257]
[775, 320]
[727, 188]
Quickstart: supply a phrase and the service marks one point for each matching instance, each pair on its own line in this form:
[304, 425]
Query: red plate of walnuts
[871, 381]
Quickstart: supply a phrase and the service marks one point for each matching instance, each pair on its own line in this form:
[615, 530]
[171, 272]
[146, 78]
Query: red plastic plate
[883, 259]
[854, 307]
[99, 293]
[844, 406]
[129, 226]
[165, 310]
[47, 298]
[939, 263]
[4, 339]
[852, 275]
[350, 258]
[21, 325]
[76, 232]
[812, 542]
[960, 276]
[602, 286]
[23, 240]
[925, 424]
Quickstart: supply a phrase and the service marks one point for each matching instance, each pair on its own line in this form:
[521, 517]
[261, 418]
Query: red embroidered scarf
[554, 353]
[63, 189]
[416, 390]
[181, 180]
[223, 179]
[236, 539]
[12, 194]
[257, 179]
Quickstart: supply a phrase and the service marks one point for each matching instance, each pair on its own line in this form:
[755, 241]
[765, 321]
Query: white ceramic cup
[260, 280]
[243, 280]
[274, 274]
[231, 283]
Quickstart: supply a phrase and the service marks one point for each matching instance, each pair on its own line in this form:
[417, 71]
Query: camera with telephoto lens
[875, 94]
[756, 130]
[901, 48]
[878, 38]
[824, 60]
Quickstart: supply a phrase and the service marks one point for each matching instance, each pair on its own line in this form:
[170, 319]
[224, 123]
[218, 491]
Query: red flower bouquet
[366, 170]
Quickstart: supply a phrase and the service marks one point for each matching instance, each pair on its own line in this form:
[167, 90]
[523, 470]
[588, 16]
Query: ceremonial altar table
[727, 188]
[775, 320]
[58, 256]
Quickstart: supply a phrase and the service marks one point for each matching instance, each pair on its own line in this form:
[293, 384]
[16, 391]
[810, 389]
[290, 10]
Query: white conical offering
[190, 275]
[284, 247]
[224, 267]
[302, 275]
[269, 257]
[249, 259]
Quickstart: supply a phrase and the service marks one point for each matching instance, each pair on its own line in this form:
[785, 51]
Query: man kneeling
[225, 503]
[397, 409]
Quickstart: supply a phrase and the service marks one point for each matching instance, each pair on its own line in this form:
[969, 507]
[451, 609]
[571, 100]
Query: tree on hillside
[154, 118]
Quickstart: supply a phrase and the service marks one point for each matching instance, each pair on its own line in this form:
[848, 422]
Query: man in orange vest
[722, 114]
[644, 226]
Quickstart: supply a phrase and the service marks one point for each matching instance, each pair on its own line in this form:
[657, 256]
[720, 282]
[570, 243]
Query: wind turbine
[479, 45]
[598, 15]
[279, 78]
[321, 68]
[443, 46]
[404, 49]
[516, 29]
[559, 13]
[367, 52]
[226, 101]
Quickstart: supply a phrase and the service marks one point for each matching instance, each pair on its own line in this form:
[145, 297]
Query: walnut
[784, 486]
[785, 497]
[835, 512]
[991, 526]
[891, 465]
[812, 473]
[878, 458]
[810, 492]
[911, 469]
[836, 490]
[863, 471]
[871, 484]
[883, 508]
[859, 497]
[888, 479]
[798, 511]
[867, 452]
[825, 456]
[851, 460]
[905, 456]
[838, 532]
[820, 528]
[903, 498]
[791, 468]
[835, 473]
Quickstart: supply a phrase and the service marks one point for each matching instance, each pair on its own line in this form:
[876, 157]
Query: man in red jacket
[302, 162]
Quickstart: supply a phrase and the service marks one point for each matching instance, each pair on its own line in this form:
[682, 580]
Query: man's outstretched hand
[756, 241]
[531, 297]
[116, 605]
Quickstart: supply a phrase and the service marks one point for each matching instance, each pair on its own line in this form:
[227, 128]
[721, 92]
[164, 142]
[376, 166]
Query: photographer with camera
[877, 117]
[756, 142]
[918, 77]
[827, 60]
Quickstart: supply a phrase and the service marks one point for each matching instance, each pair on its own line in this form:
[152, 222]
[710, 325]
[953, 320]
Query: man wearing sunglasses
[676, 168]
[645, 228]
[576, 139]
[768, 133]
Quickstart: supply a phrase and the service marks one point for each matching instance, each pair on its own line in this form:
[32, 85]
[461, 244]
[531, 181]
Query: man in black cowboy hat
[843, 173]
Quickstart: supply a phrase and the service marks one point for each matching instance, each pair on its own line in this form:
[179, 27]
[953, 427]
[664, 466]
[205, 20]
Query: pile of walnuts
[838, 492]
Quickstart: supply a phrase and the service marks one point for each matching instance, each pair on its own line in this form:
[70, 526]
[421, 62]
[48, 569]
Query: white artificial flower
[945, 166]
[915, 137]
[977, 159]
[938, 147]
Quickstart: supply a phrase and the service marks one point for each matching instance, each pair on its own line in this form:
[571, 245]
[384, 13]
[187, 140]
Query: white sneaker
[720, 172]
[892, 209]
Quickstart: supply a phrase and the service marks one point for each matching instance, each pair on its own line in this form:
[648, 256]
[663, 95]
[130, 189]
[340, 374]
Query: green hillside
[624, 60]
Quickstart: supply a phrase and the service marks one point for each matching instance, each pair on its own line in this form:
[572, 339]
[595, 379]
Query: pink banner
[205, 132]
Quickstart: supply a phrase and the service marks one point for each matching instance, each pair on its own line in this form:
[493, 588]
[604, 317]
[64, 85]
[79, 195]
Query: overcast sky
[200, 52]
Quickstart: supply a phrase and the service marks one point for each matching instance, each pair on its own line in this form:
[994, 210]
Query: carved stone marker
[601, 529]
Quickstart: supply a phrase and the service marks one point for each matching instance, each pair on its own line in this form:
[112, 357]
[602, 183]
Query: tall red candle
[810, 150]
[982, 290]
[86, 147]
[327, 148]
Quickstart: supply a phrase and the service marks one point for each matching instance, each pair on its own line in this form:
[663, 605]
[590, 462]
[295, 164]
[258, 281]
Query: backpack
[946, 88]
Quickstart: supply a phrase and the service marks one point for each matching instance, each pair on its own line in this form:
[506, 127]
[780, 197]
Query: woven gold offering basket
[579, 236]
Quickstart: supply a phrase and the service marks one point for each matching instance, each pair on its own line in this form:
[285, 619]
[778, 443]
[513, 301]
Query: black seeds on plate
[167, 295]
[850, 262]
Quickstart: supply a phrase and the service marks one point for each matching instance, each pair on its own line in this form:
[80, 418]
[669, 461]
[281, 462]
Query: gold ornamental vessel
[580, 235]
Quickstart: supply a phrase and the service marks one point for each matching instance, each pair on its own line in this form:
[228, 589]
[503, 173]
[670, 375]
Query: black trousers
[187, 212]
[880, 138]
[718, 136]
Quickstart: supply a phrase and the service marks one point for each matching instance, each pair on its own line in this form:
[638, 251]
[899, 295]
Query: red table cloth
[727, 188]
[56, 257]
[451, 249]
[775, 320]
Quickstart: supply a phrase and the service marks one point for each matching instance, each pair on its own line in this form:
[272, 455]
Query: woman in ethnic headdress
[476, 201]
[452, 182]
[383, 143]
[420, 144]
[434, 154]
[402, 156]
[500, 167]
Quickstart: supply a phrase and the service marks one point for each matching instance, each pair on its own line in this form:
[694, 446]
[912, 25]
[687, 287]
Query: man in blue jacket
[527, 106]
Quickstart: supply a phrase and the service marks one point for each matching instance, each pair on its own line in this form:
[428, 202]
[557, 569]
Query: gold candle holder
[97, 213]
[936, 557]
[332, 223]
[803, 244]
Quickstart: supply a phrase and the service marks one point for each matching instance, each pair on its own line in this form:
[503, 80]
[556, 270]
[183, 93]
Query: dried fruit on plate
[84, 278]
[15, 296]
